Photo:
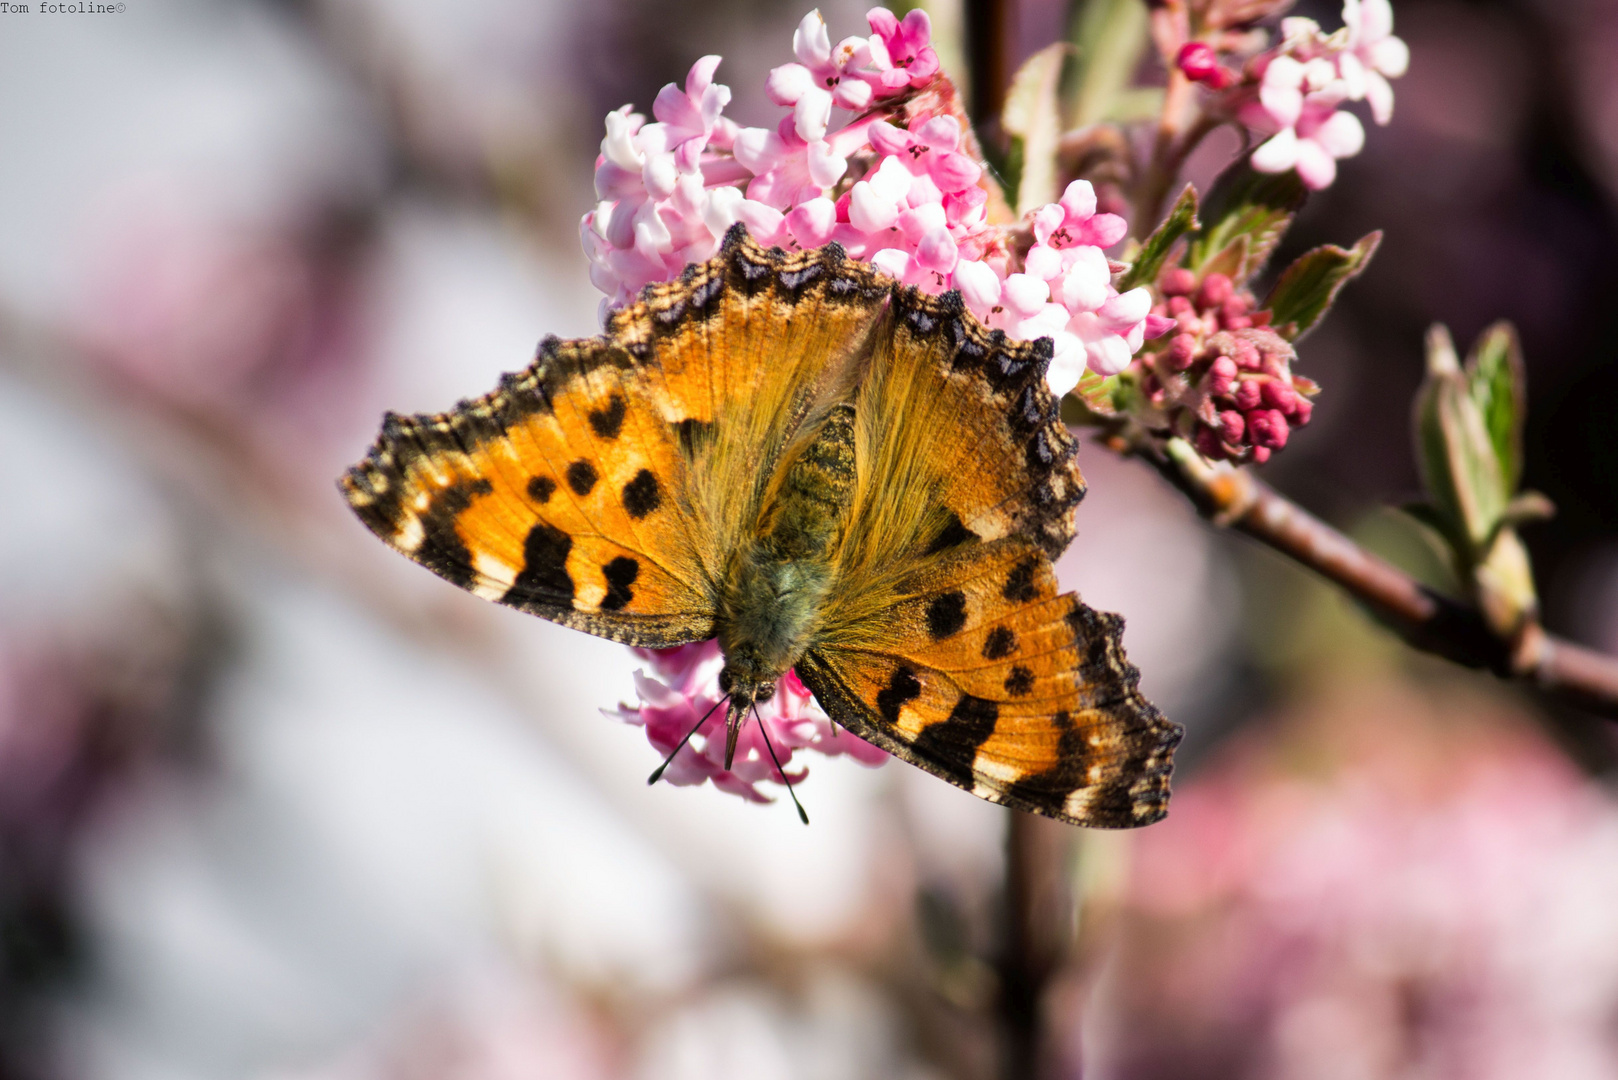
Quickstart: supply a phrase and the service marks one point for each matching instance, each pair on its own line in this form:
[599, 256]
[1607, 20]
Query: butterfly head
[745, 684]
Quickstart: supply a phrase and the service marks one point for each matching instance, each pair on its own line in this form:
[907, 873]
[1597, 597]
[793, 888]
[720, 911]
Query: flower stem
[1181, 127]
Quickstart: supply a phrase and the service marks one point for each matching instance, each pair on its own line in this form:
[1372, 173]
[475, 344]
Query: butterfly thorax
[775, 587]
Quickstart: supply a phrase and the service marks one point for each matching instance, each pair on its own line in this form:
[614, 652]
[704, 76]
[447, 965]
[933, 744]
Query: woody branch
[1233, 498]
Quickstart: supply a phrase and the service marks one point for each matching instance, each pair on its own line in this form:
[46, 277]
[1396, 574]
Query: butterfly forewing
[562, 493]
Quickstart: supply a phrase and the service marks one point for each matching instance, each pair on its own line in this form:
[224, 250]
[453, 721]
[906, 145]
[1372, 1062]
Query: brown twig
[1234, 498]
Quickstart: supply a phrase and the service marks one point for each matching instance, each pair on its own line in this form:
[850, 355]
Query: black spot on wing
[952, 535]
[442, 551]
[608, 422]
[1022, 584]
[582, 477]
[544, 578]
[541, 488]
[620, 574]
[952, 744]
[902, 687]
[1019, 681]
[946, 614]
[692, 434]
[1001, 643]
[642, 495]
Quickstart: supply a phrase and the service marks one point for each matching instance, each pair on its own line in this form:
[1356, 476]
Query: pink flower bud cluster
[1223, 379]
[909, 199]
[1292, 93]
[685, 686]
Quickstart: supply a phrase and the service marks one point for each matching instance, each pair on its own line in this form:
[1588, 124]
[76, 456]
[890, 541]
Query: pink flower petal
[1340, 136]
[788, 83]
[952, 171]
[811, 222]
[1079, 200]
[893, 262]
[1278, 154]
[937, 251]
[1316, 168]
[869, 211]
[979, 286]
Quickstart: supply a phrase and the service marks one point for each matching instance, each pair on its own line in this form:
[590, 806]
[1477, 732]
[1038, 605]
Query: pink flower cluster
[685, 686]
[908, 196]
[1292, 93]
[1224, 379]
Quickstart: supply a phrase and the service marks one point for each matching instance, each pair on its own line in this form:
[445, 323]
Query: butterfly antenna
[657, 773]
[782, 773]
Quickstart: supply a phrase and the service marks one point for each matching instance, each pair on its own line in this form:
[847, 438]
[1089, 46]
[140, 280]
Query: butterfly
[829, 472]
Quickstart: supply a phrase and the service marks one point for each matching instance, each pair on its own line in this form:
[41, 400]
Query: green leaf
[1246, 204]
[1307, 289]
[1527, 508]
[1033, 119]
[1498, 384]
[1146, 263]
[1459, 467]
[1436, 527]
[1110, 36]
[1230, 260]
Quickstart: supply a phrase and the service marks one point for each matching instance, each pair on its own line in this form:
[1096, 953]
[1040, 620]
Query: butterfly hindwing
[980, 673]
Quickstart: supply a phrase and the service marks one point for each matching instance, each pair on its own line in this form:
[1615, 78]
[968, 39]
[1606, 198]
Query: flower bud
[1221, 376]
[1200, 64]
[1177, 282]
[1246, 355]
[1278, 395]
[1247, 394]
[1269, 428]
[1181, 351]
[1232, 426]
[1215, 290]
[1302, 412]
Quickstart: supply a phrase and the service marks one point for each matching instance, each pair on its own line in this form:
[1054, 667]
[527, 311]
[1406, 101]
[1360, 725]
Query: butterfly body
[829, 473]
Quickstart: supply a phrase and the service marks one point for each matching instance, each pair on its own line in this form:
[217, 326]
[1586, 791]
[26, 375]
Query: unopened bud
[1232, 426]
[1215, 290]
[1246, 355]
[1181, 351]
[1221, 376]
[1247, 394]
[1268, 428]
[1302, 412]
[1200, 64]
[1208, 444]
[1278, 395]
[1177, 281]
[1261, 454]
